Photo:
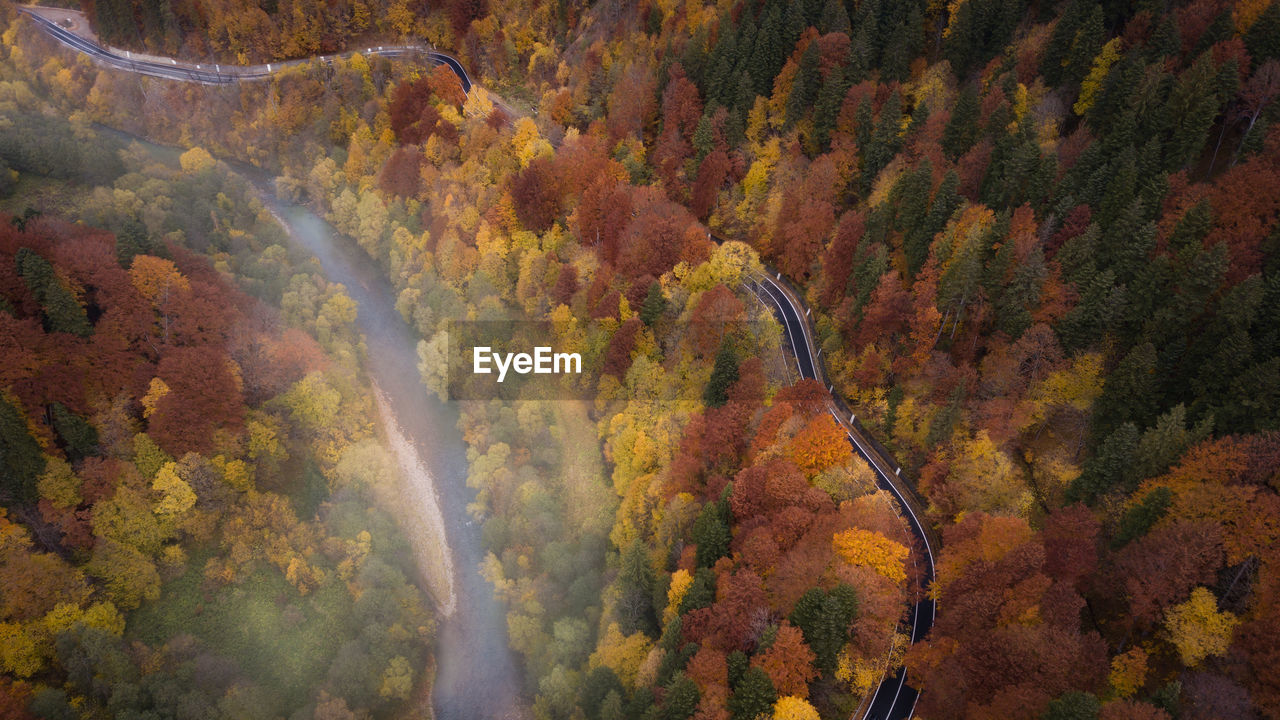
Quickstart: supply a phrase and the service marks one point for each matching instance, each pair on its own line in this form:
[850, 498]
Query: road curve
[217, 74]
[895, 698]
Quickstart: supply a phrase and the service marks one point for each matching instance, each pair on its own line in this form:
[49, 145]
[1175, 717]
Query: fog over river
[477, 675]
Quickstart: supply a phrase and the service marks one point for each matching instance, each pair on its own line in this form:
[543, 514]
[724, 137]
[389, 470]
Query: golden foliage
[195, 160]
[623, 654]
[1093, 82]
[176, 496]
[794, 708]
[872, 549]
[155, 278]
[1129, 672]
[1198, 629]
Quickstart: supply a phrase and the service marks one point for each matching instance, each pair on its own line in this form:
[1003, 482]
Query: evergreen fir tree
[753, 696]
[904, 43]
[826, 111]
[1129, 393]
[861, 52]
[1085, 46]
[1165, 41]
[79, 437]
[769, 51]
[1139, 518]
[834, 18]
[655, 304]
[961, 131]
[1222, 28]
[723, 375]
[1107, 468]
[681, 699]
[1073, 705]
[635, 589]
[793, 25]
[804, 90]
[884, 142]
[703, 137]
[1263, 38]
[711, 533]
[945, 202]
[21, 460]
[1193, 106]
[824, 619]
[1053, 63]
[62, 312]
[596, 688]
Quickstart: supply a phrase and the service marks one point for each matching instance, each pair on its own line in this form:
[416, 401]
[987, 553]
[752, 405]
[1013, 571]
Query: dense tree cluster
[187, 481]
[1040, 241]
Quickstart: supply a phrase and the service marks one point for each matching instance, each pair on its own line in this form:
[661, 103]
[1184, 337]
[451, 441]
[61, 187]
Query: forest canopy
[1039, 242]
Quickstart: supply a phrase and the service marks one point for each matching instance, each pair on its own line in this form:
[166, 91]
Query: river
[477, 676]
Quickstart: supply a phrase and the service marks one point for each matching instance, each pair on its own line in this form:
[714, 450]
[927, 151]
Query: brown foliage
[1007, 639]
[602, 213]
[1071, 544]
[737, 618]
[462, 12]
[617, 357]
[1160, 568]
[1246, 203]
[204, 397]
[536, 191]
[658, 236]
[566, 285]
[788, 662]
[837, 262]
[886, 314]
[631, 104]
[445, 84]
[402, 173]
[711, 176]
[14, 698]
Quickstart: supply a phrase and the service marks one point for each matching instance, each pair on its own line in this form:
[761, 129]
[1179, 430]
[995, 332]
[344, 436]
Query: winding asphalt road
[895, 698]
[215, 74]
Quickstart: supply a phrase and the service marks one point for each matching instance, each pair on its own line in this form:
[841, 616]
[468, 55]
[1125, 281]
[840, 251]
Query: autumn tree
[1198, 629]
[204, 397]
[820, 444]
[788, 661]
[536, 193]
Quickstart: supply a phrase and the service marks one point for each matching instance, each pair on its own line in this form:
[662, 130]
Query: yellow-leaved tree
[176, 496]
[1129, 672]
[871, 549]
[195, 160]
[397, 679]
[1093, 82]
[1198, 629]
[623, 654]
[794, 708]
[680, 582]
[155, 278]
